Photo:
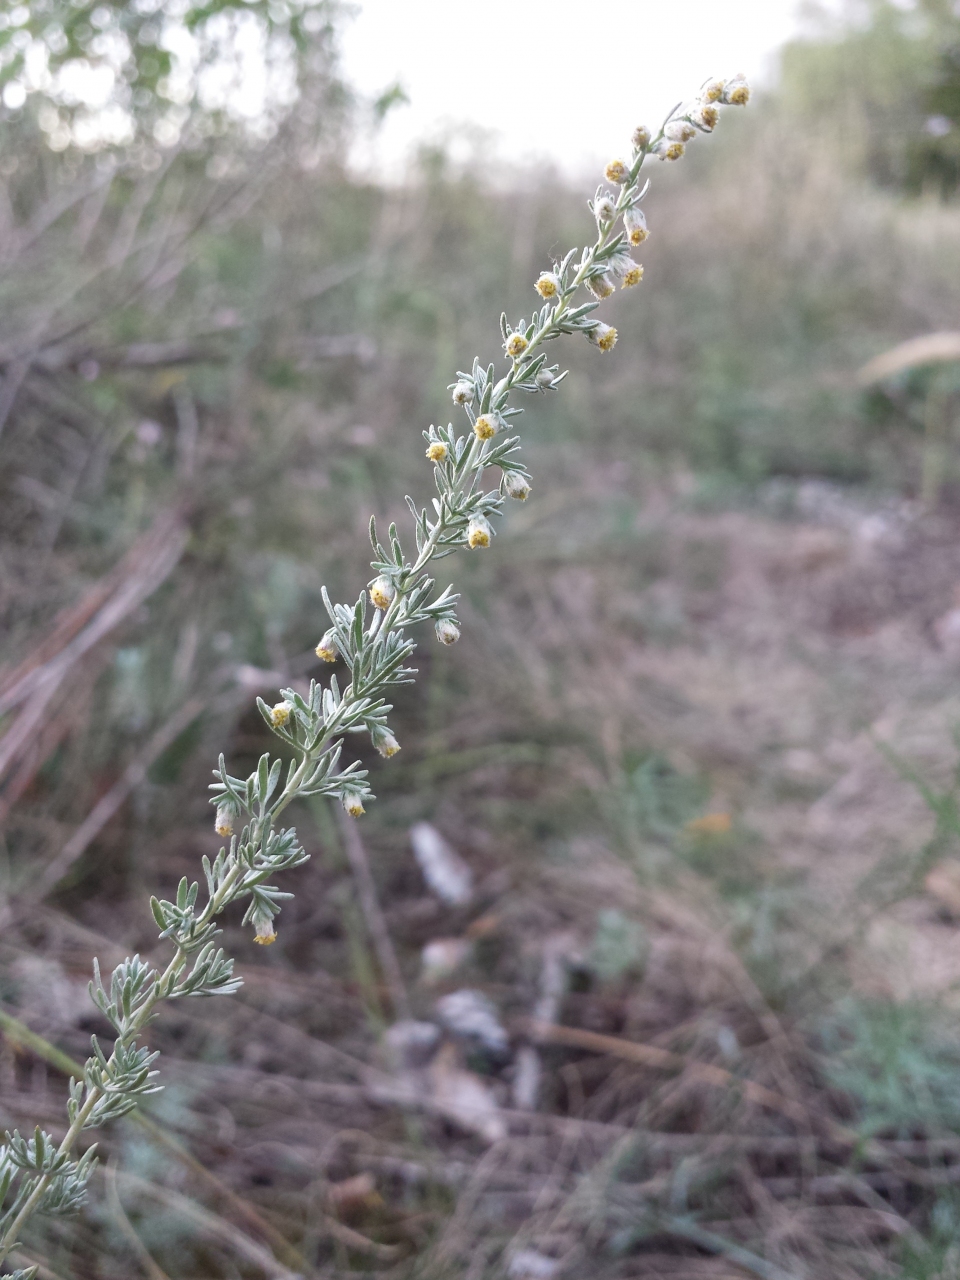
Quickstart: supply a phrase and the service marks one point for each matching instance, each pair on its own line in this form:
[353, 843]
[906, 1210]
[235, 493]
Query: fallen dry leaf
[711, 824]
[943, 883]
[358, 1192]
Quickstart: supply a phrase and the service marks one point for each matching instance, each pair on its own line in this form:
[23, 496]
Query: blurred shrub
[116, 74]
[880, 85]
[938, 1256]
[900, 1062]
[619, 947]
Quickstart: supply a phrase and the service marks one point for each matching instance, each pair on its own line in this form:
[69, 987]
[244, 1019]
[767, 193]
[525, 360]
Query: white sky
[565, 79]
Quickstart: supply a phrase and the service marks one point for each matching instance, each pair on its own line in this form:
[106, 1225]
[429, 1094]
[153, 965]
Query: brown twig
[19, 1033]
[376, 923]
[16, 372]
[213, 1226]
[143, 569]
[649, 1055]
[144, 1255]
[663, 1060]
[686, 1229]
[34, 686]
[44, 1271]
[109, 803]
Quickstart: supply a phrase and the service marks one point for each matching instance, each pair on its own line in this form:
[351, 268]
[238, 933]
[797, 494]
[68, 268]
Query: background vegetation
[695, 744]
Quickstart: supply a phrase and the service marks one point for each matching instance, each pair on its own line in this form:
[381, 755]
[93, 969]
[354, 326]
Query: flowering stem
[315, 725]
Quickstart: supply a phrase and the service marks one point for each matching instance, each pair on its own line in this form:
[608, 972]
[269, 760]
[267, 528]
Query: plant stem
[460, 500]
[19, 1033]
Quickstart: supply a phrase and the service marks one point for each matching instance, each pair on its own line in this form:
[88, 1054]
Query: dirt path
[783, 651]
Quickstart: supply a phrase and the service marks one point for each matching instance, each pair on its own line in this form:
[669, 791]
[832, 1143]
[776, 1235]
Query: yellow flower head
[603, 336]
[478, 532]
[327, 650]
[352, 804]
[635, 224]
[515, 345]
[709, 117]
[633, 275]
[485, 427]
[641, 137]
[548, 285]
[736, 91]
[437, 451]
[381, 593]
[617, 171]
[280, 714]
[266, 933]
[712, 91]
[672, 151]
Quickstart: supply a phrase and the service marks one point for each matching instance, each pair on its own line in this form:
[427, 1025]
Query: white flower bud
[479, 532]
[327, 650]
[384, 741]
[516, 485]
[680, 131]
[352, 804]
[545, 379]
[604, 209]
[447, 631]
[641, 137]
[635, 223]
[463, 393]
[226, 816]
[601, 286]
[382, 592]
[264, 931]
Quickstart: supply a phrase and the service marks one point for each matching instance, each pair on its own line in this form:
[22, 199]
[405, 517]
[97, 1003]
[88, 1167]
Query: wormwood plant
[370, 639]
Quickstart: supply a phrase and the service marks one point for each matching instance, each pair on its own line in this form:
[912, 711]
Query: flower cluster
[368, 643]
